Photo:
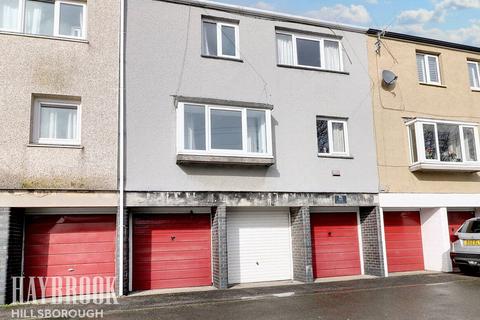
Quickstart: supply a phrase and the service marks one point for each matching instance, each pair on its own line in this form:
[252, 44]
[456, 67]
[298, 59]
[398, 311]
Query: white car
[465, 252]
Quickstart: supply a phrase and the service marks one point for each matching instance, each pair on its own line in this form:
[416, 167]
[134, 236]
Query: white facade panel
[259, 246]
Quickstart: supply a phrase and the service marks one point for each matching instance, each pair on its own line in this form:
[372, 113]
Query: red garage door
[335, 247]
[456, 219]
[70, 245]
[403, 237]
[171, 251]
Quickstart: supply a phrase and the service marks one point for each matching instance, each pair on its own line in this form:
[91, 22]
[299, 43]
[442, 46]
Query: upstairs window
[223, 130]
[56, 122]
[47, 18]
[428, 69]
[310, 52]
[220, 39]
[474, 74]
[443, 142]
[332, 137]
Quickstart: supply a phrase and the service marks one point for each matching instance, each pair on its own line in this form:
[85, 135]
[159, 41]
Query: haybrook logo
[64, 290]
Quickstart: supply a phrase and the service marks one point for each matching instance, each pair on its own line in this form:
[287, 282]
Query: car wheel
[467, 269]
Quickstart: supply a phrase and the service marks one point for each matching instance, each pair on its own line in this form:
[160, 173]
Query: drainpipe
[121, 149]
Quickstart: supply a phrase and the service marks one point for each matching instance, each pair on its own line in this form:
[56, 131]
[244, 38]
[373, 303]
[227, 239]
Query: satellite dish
[389, 77]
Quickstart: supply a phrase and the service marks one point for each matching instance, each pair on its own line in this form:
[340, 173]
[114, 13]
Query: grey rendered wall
[34, 65]
[163, 59]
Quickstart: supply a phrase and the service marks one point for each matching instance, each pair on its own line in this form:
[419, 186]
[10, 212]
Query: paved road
[435, 297]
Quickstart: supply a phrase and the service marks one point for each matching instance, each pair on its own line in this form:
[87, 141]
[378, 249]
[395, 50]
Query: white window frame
[219, 25]
[221, 152]
[477, 65]
[56, 19]
[320, 41]
[330, 122]
[38, 103]
[427, 68]
[421, 158]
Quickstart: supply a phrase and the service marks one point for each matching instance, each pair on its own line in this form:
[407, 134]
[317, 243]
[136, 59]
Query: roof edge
[268, 14]
[423, 40]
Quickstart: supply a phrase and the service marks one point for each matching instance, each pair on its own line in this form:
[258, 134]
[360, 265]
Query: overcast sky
[450, 20]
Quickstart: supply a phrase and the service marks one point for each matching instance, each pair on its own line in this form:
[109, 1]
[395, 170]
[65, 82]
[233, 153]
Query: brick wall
[372, 241]
[11, 246]
[125, 244]
[219, 247]
[301, 244]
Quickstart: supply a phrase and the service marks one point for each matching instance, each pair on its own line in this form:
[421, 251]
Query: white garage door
[259, 246]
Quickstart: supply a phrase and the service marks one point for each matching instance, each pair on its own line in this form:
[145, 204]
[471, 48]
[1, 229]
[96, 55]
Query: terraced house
[426, 124]
[59, 87]
[250, 153]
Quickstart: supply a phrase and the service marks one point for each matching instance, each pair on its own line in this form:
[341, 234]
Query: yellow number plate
[471, 242]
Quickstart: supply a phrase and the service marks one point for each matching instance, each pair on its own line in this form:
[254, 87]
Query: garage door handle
[173, 238]
[71, 270]
[329, 234]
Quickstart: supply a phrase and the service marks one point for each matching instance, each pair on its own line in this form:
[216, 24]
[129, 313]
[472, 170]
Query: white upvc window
[46, 18]
[56, 122]
[332, 137]
[443, 142]
[474, 74]
[223, 130]
[428, 69]
[220, 39]
[309, 51]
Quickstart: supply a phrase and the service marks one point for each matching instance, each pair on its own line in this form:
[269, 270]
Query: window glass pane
[433, 69]
[332, 55]
[449, 143]
[285, 49]
[226, 129]
[256, 133]
[430, 142]
[194, 127]
[9, 15]
[308, 52]
[71, 20]
[413, 143]
[228, 41]
[471, 227]
[209, 39]
[58, 123]
[39, 17]
[421, 68]
[473, 74]
[338, 136]
[322, 136]
[469, 142]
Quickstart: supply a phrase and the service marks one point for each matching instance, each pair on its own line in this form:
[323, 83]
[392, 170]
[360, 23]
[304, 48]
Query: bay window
[309, 51]
[223, 130]
[47, 17]
[436, 144]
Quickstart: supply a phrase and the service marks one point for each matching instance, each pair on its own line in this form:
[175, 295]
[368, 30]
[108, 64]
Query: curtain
[433, 70]
[58, 123]
[421, 68]
[332, 55]
[473, 72]
[9, 15]
[338, 137]
[256, 137]
[209, 39]
[39, 18]
[469, 142]
[285, 49]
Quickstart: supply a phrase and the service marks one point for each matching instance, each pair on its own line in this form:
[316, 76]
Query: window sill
[475, 89]
[12, 33]
[334, 156]
[222, 58]
[432, 85]
[185, 159]
[312, 69]
[61, 146]
[449, 167]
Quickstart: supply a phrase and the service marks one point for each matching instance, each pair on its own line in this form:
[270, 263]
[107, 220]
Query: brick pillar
[372, 241]
[11, 246]
[219, 247]
[124, 262]
[301, 244]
